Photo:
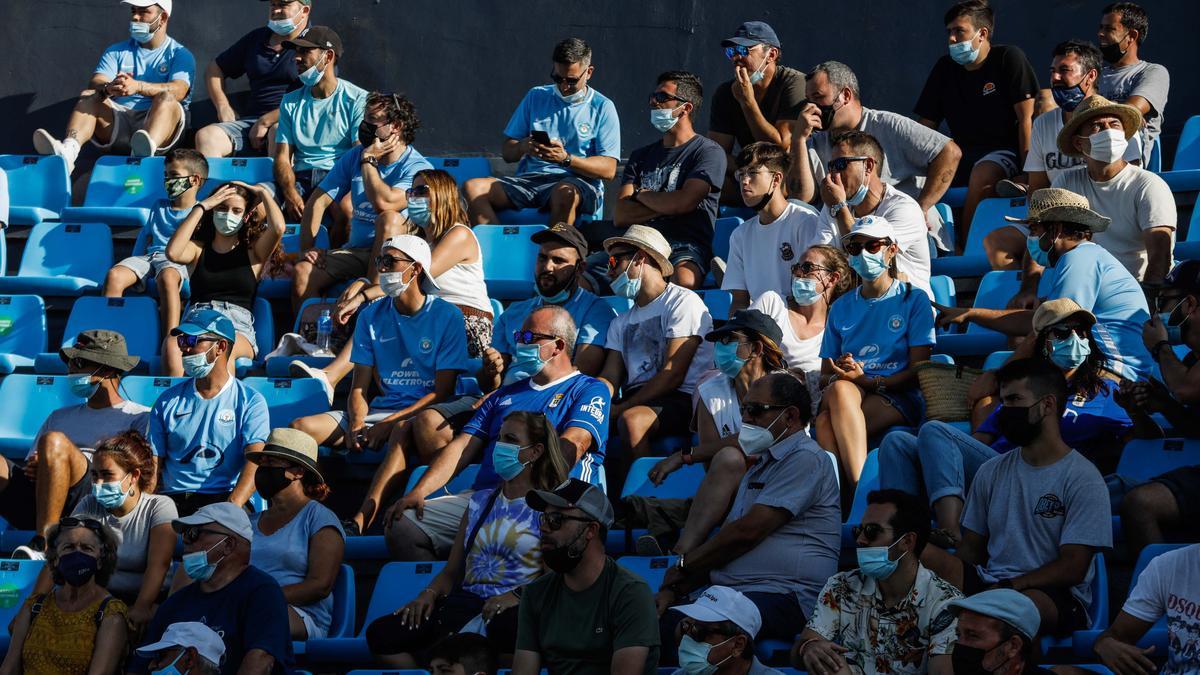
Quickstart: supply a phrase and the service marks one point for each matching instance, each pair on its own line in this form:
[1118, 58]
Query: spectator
[184, 172]
[137, 100]
[567, 139]
[945, 459]
[1083, 272]
[1034, 516]
[997, 632]
[77, 627]
[587, 614]
[1164, 590]
[545, 381]
[760, 103]
[494, 557]
[785, 511]
[724, 615]
[462, 654]
[238, 601]
[761, 250]
[655, 352]
[227, 241]
[890, 615]
[1126, 78]
[985, 94]
[270, 70]
[376, 175]
[317, 123]
[55, 475]
[913, 154]
[420, 369]
[874, 336]
[848, 198]
[202, 428]
[186, 647]
[297, 541]
[673, 184]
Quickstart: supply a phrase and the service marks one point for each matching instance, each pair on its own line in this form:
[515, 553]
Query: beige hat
[294, 446]
[1059, 310]
[1095, 106]
[1062, 206]
[648, 240]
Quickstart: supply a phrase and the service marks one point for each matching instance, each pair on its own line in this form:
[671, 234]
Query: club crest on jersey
[555, 401]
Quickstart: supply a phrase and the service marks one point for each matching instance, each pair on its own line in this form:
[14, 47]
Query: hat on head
[574, 494]
[874, 227]
[1058, 310]
[1011, 607]
[748, 320]
[415, 248]
[317, 37]
[226, 514]
[206, 322]
[648, 240]
[721, 603]
[1062, 206]
[186, 634]
[105, 347]
[1184, 277]
[565, 233]
[293, 445]
[753, 33]
[303, 2]
[1092, 107]
[164, 4]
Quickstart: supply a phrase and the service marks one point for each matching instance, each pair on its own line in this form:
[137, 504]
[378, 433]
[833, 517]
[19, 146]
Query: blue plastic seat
[146, 389]
[955, 197]
[464, 481]
[1184, 175]
[620, 305]
[463, 169]
[1156, 636]
[723, 229]
[950, 237]
[995, 360]
[38, 188]
[497, 308]
[650, 569]
[989, 215]
[289, 399]
[1189, 248]
[1155, 163]
[508, 259]
[717, 302]
[995, 290]
[136, 318]
[27, 400]
[743, 212]
[278, 366]
[341, 623]
[121, 191]
[1098, 610]
[944, 292]
[681, 484]
[17, 579]
[868, 480]
[250, 170]
[62, 259]
[22, 331]
[1147, 458]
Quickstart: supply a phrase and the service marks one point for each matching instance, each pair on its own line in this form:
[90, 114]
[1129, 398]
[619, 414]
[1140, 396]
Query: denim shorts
[532, 191]
[908, 402]
[238, 131]
[242, 318]
[693, 253]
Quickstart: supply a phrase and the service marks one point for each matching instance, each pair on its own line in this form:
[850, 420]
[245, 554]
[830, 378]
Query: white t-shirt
[1135, 199]
[805, 353]
[1170, 587]
[640, 335]
[1043, 147]
[716, 393]
[86, 427]
[761, 256]
[912, 235]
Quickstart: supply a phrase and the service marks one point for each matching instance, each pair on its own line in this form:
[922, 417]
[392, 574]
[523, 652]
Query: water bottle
[324, 333]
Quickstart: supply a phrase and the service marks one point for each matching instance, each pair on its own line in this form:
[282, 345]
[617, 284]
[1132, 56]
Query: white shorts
[310, 626]
[126, 121]
[441, 519]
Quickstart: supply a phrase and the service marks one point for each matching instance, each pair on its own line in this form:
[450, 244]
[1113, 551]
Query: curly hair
[130, 450]
[399, 110]
[254, 224]
[107, 563]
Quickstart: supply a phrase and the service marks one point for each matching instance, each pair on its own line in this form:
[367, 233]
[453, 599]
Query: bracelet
[1156, 350]
[686, 453]
[363, 293]
[200, 205]
[804, 645]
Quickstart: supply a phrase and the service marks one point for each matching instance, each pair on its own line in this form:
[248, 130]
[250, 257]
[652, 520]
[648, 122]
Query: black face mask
[563, 559]
[367, 133]
[1014, 424]
[77, 567]
[827, 112]
[968, 660]
[269, 480]
[1113, 52]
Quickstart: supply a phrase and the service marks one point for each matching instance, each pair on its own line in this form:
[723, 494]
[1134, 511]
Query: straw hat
[1062, 206]
[1096, 106]
[293, 445]
[648, 240]
[1058, 310]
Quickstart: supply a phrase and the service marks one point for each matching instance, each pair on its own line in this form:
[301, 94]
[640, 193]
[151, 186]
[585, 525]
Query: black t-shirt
[660, 169]
[978, 104]
[783, 100]
[271, 73]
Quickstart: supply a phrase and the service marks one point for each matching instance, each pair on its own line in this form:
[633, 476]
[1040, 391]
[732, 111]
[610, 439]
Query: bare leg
[323, 428]
[60, 465]
[170, 284]
[635, 427]
[163, 118]
[687, 274]
[296, 625]
[984, 177]
[388, 477]
[340, 367]
[118, 280]
[948, 512]
[844, 400]
[172, 358]
[431, 432]
[307, 282]
[713, 498]
[242, 349]
[1046, 608]
[564, 202]
[212, 141]
[1145, 512]
[484, 197]
[92, 117]
[1005, 248]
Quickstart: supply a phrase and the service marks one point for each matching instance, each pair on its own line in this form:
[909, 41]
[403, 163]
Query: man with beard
[1126, 78]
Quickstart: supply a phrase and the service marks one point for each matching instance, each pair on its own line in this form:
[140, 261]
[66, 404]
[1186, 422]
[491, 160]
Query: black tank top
[227, 277]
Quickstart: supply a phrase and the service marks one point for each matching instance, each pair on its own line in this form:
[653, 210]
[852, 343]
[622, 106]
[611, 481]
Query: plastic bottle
[324, 333]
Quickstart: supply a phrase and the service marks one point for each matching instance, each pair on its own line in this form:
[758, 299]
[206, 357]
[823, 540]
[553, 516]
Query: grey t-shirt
[1148, 80]
[86, 427]
[799, 557]
[133, 536]
[1028, 512]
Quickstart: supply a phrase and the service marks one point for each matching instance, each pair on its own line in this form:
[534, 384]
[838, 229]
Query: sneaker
[1007, 188]
[299, 368]
[647, 545]
[34, 550]
[141, 145]
[351, 528]
[45, 144]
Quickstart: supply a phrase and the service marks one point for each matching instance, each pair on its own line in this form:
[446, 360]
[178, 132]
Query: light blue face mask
[197, 365]
[1174, 332]
[572, 98]
[418, 211]
[870, 266]
[1034, 247]
[964, 52]
[143, 32]
[559, 297]
[281, 26]
[693, 656]
[526, 362]
[873, 561]
[861, 193]
[110, 495]
[663, 119]
[726, 358]
[805, 291]
[196, 564]
[624, 287]
[82, 385]
[170, 669]
[505, 460]
[314, 74]
[1069, 353]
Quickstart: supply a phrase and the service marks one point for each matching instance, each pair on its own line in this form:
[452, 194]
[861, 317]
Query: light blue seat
[681, 484]
[264, 335]
[944, 292]
[497, 308]
[341, 624]
[62, 259]
[135, 317]
[288, 398]
[723, 229]
[27, 400]
[650, 569]
[1184, 175]
[1147, 458]
[508, 259]
[989, 215]
[867, 481]
[121, 191]
[947, 214]
[22, 331]
[146, 389]
[278, 366]
[250, 170]
[17, 579]
[1155, 163]
[464, 481]
[38, 188]
[717, 302]
[995, 360]
[463, 169]
[995, 290]
[139, 248]
[1189, 248]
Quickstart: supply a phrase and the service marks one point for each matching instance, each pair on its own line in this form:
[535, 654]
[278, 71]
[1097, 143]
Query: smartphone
[540, 136]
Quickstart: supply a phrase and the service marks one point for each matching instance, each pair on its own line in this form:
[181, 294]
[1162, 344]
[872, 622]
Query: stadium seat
[717, 302]
[943, 290]
[995, 360]
[497, 308]
[1184, 175]
[867, 481]
[1157, 635]
[955, 197]
[723, 229]
[62, 259]
[264, 335]
[508, 259]
[341, 623]
[1146, 458]
[17, 579]
[947, 214]
[38, 188]
[464, 481]
[145, 389]
[278, 366]
[26, 401]
[462, 169]
[1098, 610]
[1189, 248]
[288, 399]
[121, 191]
[989, 215]
[22, 331]
[743, 212]
[116, 314]
[995, 290]
[250, 170]
[681, 484]
[1155, 163]
[650, 569]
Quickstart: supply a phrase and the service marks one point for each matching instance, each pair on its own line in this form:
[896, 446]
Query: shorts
[1184, 484]
[238, 132]
[156, 262]
[532, 190]
[18, 498]
[693, 253]
[457, 412]
[126, 121]
[1005, 159]
[373, 415]
[346, 263]
[908, 402]
[242, 318]
[1072, 615]
[307, 180]
[441, 519]
[310, 626]
[673, 410]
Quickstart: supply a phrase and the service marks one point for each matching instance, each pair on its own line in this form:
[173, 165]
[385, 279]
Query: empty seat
[943, 290]
[1184, 175]
[146, 389]
[288, 399]
[22, 331]
[17, 579]
[681, 484]
[989, 215]
[508, 259]
[121, 191]
[27, 400]
[250, 170]
[995, 290]
[38, 188]
[718, 303]
[463, 169]
[62, 259]
[135, 317]
[650, 569]
[1146, 458]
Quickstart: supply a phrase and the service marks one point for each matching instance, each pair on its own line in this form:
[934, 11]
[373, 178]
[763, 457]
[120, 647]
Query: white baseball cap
[874, 227]
[721, 603]
[188, 634]
[165, 4]
[226, 514]
[415, 248]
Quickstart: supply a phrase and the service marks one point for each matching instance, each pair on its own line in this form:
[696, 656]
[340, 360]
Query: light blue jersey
[590, 314]
[320, 130]
[169, 63]
[163, 222]
[200, 443]
[878, 332]
[589, 128]
[347, 175]
[408, 351]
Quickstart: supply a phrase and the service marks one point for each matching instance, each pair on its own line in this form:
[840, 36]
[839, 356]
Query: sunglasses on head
[190, 341]
[756, 409]
[417, 191]
[661, 97]
[873, 246]
[528, 337]
[738, 50]
[194, 532]
[1062, 332]
[89, 523]
[808, 267]
[554, 520]
[559, 79]
[869, 531]
[841, 163]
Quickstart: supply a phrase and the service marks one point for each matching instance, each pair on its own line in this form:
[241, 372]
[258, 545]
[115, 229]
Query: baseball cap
[317, 37]
[648, 240]
[1058, 310]
[1185, 277]
[226, 514]
[748, 320]
[206, 322]
[1005, 604]
[565, 233]
[415, 248]
[574, 494]
[721, 603]
[165, 4]
[188, 634]
[752, 33]
[874, 227]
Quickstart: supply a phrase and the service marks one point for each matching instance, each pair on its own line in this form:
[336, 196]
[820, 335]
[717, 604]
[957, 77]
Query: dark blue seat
[462, 169]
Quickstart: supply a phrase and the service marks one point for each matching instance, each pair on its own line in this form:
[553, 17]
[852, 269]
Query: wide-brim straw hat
[1092, 107]
[1062, 206]
[648, 240]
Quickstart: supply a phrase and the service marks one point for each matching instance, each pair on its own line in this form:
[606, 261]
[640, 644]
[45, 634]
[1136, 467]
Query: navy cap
[206, 322]
[1184, 277]
[753, 33]
[751, 320]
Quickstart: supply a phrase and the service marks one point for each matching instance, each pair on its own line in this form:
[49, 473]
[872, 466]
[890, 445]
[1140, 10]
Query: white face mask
[756, 440]
[1107, 146]
[393, 284]
[226, 222]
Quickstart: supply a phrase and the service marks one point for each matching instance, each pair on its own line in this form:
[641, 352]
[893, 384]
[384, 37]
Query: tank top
[227, 277]
[60, 643]
[463, 284]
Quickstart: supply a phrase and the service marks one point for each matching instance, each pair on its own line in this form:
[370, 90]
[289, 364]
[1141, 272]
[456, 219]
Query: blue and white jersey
[878, 332]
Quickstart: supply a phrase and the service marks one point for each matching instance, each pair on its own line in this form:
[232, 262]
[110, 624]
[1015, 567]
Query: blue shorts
[238, 132]
[693, 253]
[532, 191]
[908, 402]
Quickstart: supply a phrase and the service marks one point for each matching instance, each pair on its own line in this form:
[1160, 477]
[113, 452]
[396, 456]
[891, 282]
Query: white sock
[70, 148]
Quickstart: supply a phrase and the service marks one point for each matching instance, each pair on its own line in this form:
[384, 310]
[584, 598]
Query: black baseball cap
[748, 320]
[317, 37]
[562, 232]
[1184, 277]
[753, 33]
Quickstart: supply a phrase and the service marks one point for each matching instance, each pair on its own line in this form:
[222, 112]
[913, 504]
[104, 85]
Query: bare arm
[447, 462]
[266, 243]
[1140, 103]
[215, 80]
[599, 166]
[1117, 646]
[1068, 569]
[177, 89]
[575, 443]
[677, 202]
[613, 373]
[1024, 111]
[731, 542]
[245, 484]
[800, 180]
[741, 300]
[356, 402]
[972, 550]
[513, 149]
[456, 246]
[526, 662]
[285, 178]
[1158, 253]
[110, 645]
[180, 248]
[627, 212]
[674, 371]
[589, 359]
[257, 662]
[938, 175]
[382, 196]
[325, 551]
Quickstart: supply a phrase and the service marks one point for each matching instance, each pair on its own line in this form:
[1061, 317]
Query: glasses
[528, 337]
[756, 409]
[806, 268]
[417, 191]
[742, 174]
[870, 530]
[553, 521]
[559, 79]
[89, 523]
[697, 630]
[730, 338]
[190, 341]
[839, 165]
[738, 50]
[873, 246]
[1064, 332]
[191, 534]
[614, 260]
[387, 262]
[661, 97]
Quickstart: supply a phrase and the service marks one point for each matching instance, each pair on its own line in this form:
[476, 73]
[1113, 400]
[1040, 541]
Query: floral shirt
[900, 639]
[506, 553]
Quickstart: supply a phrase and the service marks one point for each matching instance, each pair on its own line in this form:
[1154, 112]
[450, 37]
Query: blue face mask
[418, 211]
[283, 26]
[82, 385]
[870, 266]
[861, 193]
[170, 669]
[727, 360]
[526, 362]
[693, 656]
[110, 495]
[964, 52]
[197, 365]
[505, 460]
[663, 119]
[572, 98]
[1034, 247]
[142, 32]
[1067, 98]
[196, 564]
[805, 291]
[559, 297]
[1069, 353]
[314, 74]
[873, 561]
[624, 287]
[1174, 331]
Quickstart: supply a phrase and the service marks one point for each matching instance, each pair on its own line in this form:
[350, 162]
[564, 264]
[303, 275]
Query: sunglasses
[89, 523]
[841, 163]
[756, 409]
[614, 260]
[81, 364]
[528, 337]
[730, 338]
[699, 631]
[191, 534]
[807, 268]
[738, 50]
[661, 97]
[417, 191]
[1064, 332]
[387, 262]
[190, 341]
[559, 79]
[873, 246]
[869, 531]
[553, 521]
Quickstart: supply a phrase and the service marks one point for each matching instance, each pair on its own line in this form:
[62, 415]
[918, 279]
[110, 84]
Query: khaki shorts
[126, 121]
[441, 520]
[347, 263]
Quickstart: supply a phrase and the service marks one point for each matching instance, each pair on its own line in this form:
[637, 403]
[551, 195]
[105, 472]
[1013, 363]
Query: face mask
[283, 26]
[1113, 52]
[143, 32]
[196, 564]
[1013, 423]
[197, 365]
[226, 222]
[1067, 98]
[758, 75]
[969, 660]
[393, 284]
[77, 567]
[313, 75]
[755, 439]
[873, 561]
[369, 133]
[418, 211]
[663, 119]
[861, 193]
[526, 362]
[270, 480]
[1069, 353]
[762, 203]
[624, 287]
[727, 360]
[827, 112]
[870, 266]
[1107, 146]
[563, 559]
[693, 656]
[505, 461]
[805, 291]
[575, 97]
[562, 295]
[964, 52]
[1033, 245]
[1174, 330]
[83, 387]
[110, 495]
[177, 185]
[170, 669]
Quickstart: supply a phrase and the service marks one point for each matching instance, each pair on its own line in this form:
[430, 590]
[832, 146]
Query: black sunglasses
[559, 79]
[528, 337]
[808, 267]
[387, 262]
[756, 409]
[191, 534]
[89, 523]
[870, 530]
[417, 191]
[190, 341]
[838, 165]
[1064, 332]
[873, 246]
[553, 521]
[661, 97]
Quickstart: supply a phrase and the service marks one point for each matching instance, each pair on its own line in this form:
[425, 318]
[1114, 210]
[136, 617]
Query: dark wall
[466, 64]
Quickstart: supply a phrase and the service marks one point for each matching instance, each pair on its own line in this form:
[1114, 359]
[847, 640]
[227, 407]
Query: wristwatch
[880, 387]
[679, 564]
[1156, 350]
[687, 455]
[837, 207]
[566, 162]
[368, 159]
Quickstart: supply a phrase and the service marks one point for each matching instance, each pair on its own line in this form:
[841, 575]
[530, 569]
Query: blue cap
[1011, 607]
[753, 33]
[206, 322]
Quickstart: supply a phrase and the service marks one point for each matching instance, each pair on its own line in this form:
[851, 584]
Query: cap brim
[538, 500]
[725, 329]
[152, 649]
[302, 44]
[122, 363]
[288, 454]
[740, 42]
[544, 236]
[664, 265]
[188, 521]
[701, 613]
[1131, 122]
